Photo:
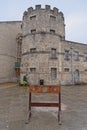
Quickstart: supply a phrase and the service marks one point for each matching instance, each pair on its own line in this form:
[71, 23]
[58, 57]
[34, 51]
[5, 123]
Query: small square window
[52, 31]
[33, 31]
[66, 69]
[33, 17]
[33, 51]
[52, 18]
[32, 70]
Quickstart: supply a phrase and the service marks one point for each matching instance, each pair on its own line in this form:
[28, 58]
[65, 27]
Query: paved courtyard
[14, 108]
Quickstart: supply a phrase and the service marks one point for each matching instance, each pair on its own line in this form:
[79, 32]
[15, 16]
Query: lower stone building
[36, 48]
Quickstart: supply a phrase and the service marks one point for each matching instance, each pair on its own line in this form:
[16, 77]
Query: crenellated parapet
[54, 11]
[38, 19]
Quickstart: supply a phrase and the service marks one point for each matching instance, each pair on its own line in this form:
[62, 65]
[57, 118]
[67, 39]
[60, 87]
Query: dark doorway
[76, 76]
[41, 82]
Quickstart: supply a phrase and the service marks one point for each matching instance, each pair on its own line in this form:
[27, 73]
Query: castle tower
[42, 31]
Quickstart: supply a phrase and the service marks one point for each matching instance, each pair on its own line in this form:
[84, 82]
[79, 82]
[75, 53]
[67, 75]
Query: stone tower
[42, 30]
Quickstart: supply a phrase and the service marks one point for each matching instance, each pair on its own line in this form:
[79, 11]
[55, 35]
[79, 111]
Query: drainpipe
[72, 67]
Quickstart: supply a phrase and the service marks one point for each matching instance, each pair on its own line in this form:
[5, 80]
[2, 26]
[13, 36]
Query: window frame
[67, 55]
[53, 53]
[76, 56]
[53, 73]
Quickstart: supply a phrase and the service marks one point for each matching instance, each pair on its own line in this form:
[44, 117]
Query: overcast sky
[75, 13]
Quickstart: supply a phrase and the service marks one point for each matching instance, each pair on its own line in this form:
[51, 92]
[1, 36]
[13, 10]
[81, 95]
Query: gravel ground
[14, 108]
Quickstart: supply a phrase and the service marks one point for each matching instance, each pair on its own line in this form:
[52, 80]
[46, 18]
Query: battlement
[55, 10]
[47, 7]
[37, 20]
[30, 9]
[37, 7]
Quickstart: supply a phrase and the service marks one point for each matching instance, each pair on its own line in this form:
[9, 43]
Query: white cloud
[76, 27]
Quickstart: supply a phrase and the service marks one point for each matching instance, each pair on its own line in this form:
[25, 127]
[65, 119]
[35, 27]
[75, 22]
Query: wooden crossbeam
[44, 89]
[36, 104]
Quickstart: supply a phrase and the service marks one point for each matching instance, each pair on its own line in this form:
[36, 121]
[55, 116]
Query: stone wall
[8, 49]
[77, 62]
[41, 59]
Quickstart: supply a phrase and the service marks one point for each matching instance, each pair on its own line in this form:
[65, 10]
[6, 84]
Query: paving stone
[14, 108]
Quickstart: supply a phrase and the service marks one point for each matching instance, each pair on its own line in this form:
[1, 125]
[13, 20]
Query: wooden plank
[34, 104]
[44, 89]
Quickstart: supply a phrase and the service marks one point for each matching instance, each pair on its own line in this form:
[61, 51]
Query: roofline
[75, 42]
[9, 21]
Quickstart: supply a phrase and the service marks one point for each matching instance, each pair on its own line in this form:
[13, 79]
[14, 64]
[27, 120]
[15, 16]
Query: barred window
[66, 55]
[76, 55]
[53, 73]
[53, 53]
[85, 57]
[66, 69]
